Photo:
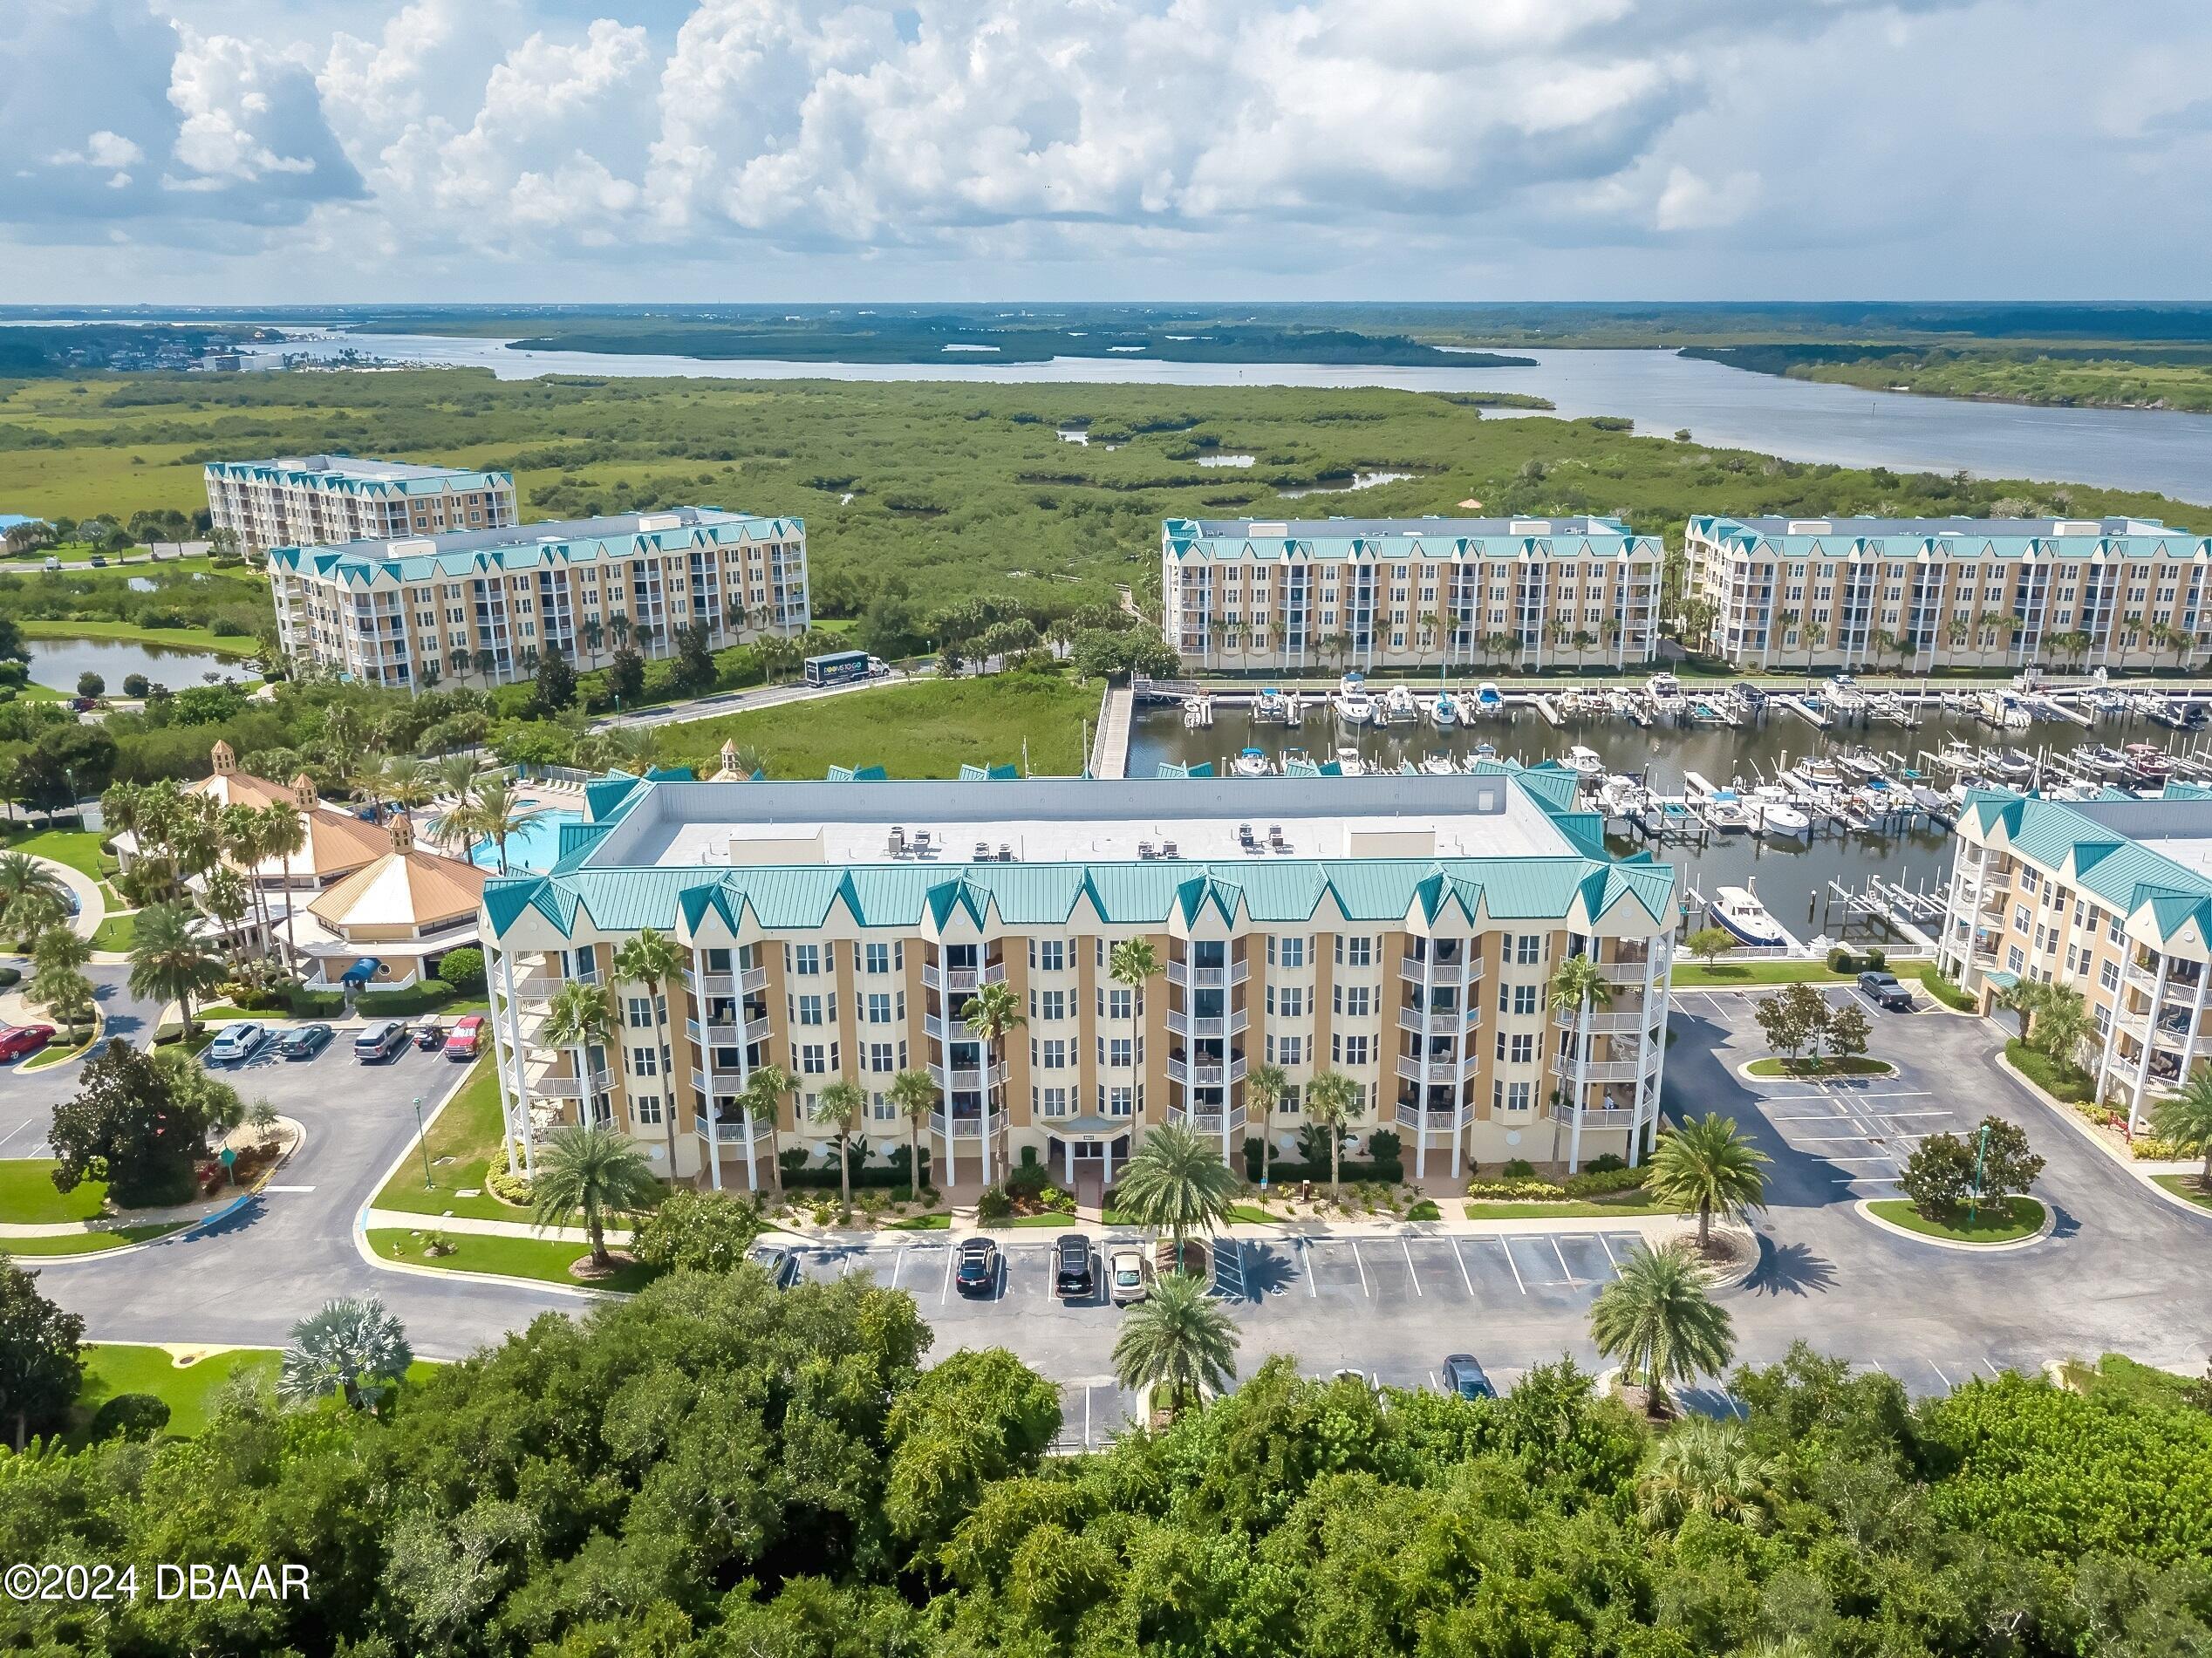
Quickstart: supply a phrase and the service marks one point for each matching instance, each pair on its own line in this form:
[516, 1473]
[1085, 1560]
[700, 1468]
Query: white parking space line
[1515, 1264]
[897, 1260]
[287, 1188]
[1561, 1254]
[1991, 1368]
[946, 1293]
[1361, 1264]
[1306, 1255]
[1462, 1261]
[1610, 1258]
[1412, 1270]
[1938, 1369]
[13, 1132]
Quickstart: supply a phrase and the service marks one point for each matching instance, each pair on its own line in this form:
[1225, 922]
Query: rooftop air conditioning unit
[410, 547]
[1811, 527]
[1271, 529]
[1528, 526]
[660, 520]
[2075, 527]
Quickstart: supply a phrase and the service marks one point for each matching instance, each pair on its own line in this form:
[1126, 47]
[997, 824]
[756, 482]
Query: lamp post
[423, 1142]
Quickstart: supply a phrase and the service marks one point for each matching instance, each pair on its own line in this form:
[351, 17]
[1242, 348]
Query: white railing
[564, 1087]
[1607, 1024]
[1563, 1066]
[1188, 1025]
[1439, 1070]
[965, 1127]
[955, 979]
[1181, 973]
[1633, 972]
[966, 1076]
[1447, 974]
[753, 1030]
[1435, 1119]
[752, 979]
[1596, 1116]
[1204, 1076]
[1209, 1122]
[728, 1133]
[1446, 1022]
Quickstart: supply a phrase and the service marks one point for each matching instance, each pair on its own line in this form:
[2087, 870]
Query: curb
[1864, 1209]
[1890, 1069]
[450, 1275]
[2075, 1120]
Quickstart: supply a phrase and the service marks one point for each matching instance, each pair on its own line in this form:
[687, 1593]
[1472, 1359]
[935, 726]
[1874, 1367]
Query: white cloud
[102, 148]
[1689, 202]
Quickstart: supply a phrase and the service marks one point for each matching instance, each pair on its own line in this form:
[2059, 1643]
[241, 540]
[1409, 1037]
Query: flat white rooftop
[1079, 820]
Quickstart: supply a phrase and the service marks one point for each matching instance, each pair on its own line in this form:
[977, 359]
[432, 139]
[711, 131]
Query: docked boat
[1859, 761]
[1484, 751]
[1349, 763]
[1444, 713]
[1777, 815]
[1822, 773]
[1272, 709]
[1663, 688]
[2002, 710]
[1738, 911]
[1725, 811]
[1488, 700]
[1354, 705]
[1438, 766]
[1250, 763]
[2011, 765]
[1399, 707]
[1585, 761]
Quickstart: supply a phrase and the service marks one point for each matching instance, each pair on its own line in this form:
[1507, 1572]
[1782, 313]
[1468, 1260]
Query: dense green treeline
[719, 1468]
[2089, 377]
[957, 490]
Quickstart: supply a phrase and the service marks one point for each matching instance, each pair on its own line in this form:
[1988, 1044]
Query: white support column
[2150, 1031]
[1581, 1073]
[705, 1117]
[2196, 1022]
[507, 1110]
[1647, 1090]
[1421, 1047]
[1459, 1057]
[515, 1056]
[1067, 1157]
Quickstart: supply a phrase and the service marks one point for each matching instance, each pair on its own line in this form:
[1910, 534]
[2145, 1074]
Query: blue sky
[268, 150]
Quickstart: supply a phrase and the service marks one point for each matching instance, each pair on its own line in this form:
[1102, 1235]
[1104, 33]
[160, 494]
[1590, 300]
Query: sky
[243, 152]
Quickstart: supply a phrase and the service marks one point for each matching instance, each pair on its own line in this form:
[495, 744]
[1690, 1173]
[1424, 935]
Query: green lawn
[79, 849]
[117, 934]
[539, 1258]
[2016, 1218]
[1638, 1202]
[2066, 1083]
[58, 1052]
[461, 1144]
[2185, 1186]
[176, 638]
[89, 1243]
[1857, 1065]
[920, 1224]
[927, 728]
[1724, 973]
[28, 1198]
[113, 1367]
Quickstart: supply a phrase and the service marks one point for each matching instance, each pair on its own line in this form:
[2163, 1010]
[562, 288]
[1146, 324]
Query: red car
[466, 1038]
[19, 1041]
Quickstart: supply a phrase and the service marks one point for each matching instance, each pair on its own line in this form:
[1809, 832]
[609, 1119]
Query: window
[1116, 1102]
[1349, 1050]
[809, 1010]
[2108, 975]
[639, 1013]
[813, 1059]
[883, 1107]
[879, 1057]
[2013, 958]
[879, 1007]
[1355, 951]
[1511, 1096]
[645, 1062]
[1517, 999]
[1048, 955]
[1053, 1055]
[1289, 1001]
[1528, 949]
[1286, 1050]
[1115, 1003]
[1516, 1050]
[1052, 1102]
[877, 958]
[1115, 1053]
[806, 959]
[645, 1108]
[1048, 1004]
[1352, 1000]
[1286, 953]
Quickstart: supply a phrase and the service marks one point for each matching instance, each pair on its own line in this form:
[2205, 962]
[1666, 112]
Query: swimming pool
[535, 845]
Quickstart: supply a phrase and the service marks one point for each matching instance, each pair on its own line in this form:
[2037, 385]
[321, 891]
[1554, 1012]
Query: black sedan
[1463, 1378]
[305, 1043]
[1072, 1277]
[975, 1268]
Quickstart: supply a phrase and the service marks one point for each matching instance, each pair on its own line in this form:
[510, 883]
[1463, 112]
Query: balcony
[1605, 1024]
[1234, 1024]
[1564, 1067]
[1444, 1069]
[955, 981]
[1205, 1076]
[1630, 971]
[1414, 971]
[1181, 973]
[738, 1035]
[1595, 1117]
[1434, 1119]
[732, 1132]
[1208, 1121]
[1448, 1021]
[751, 979]
[955, 1079]
[564, 1087]
[965, 1127]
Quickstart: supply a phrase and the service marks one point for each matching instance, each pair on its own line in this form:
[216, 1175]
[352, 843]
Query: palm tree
[618, 629]
[222, 896]
[581, 1016]
[170, 961]
[2186, 1120]
[763, 1096]
[460, 659]
[496, 813]
[409, 781]
[1577, 986]
[915, 1095]
[352, 1340]
[591, 1168]
[1332, 1101]
[651, 959]
[1657, 1320]
[1704, 1466]
[595, 635]
[245, 839]
[1178, 1338]
[1706, 1168]
[1265, 1083]
[57, 982]
[1133, 962]
[838, 1108]
[284, 837]
[1178, 1183]
[989, 1014]
[24, 880]
[454, 774]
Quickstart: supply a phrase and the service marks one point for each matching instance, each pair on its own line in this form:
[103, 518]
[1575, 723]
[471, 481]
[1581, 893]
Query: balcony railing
[1563, 1066]
[1434, 1119]
[1226, 1122]
[953, 1078]
[1205, 1076]
[1432, 1070]
[965, 1127]
[1605, 1024]
[1596, 1116]
[752, 1030]
[1624, 972]
[752, 979]
[1232, 1023]
[1183, 973]
[1414, 971]
[731, 1131]
[564, 1087]
[1446, 1022]
[956, 979]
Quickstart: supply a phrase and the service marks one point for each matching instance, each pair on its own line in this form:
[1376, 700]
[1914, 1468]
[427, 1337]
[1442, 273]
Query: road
[773, 696]
[2123, 1271]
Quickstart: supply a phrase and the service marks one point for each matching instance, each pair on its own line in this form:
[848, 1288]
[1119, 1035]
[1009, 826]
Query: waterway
[1790, 876]
[1662, 392]
[58, 662]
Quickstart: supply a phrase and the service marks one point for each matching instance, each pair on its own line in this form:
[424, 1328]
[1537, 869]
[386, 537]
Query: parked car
[1886, 991]
[780, 1265]
[234, 1044]
[305, 1043]
[429, 1036]
[1072, 1277]
[466, 1038]
[975, 1270]
[1463, 1378]
[19, 1042]
[380, 1041]
[100, 560]
[53, 564]
[85, 704]
[1126, 1275]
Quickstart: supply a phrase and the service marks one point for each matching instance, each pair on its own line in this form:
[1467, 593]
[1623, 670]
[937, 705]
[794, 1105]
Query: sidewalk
[92, 902]
[174, 1214]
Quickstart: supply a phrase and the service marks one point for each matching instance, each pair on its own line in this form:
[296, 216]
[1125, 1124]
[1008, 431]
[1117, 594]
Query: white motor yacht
[1444, 713]
[1777, 815]
[1738, 909]
[1354, 705]
[1399, 707]
[1250, 763]
[1349, 763]
[1584, 760]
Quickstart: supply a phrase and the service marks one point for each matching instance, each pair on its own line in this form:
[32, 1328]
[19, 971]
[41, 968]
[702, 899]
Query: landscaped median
[1814, 1070]
[549, 1260]
[2014, 1221]
[37, 1220]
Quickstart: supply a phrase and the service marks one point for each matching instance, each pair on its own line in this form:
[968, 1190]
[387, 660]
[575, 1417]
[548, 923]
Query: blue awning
[361, 972]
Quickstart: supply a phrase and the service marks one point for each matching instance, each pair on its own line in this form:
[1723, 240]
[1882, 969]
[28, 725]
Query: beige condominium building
[1402, 931]
[328, 499]
[2111, 896]
[1913, 594]
[482, 605]
[1407, 593]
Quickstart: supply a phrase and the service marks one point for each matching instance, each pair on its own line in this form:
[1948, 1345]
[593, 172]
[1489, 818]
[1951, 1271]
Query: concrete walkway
[406, 1220]
[1109, 752]
[92, 902]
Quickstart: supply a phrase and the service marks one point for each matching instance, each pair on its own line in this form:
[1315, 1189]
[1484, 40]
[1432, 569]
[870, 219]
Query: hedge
[1283, 1170]
[316, 1004]
[1842, 961]
[10, 977]
[427, 996]
[1600, 1183]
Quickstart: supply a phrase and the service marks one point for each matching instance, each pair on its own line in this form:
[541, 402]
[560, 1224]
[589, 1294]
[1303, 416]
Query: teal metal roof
[2093, 845]
[344, 474]
[526, 546]
[2088, 539]
[1401, 539]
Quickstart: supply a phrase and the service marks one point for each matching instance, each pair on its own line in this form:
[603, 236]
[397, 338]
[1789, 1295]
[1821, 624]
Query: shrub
[1606, 1163]
[504, 1182]
[1874, 959]
[430, 995]
[135, 1417]
[1424, 1210]
[994, 1207]
[1519, 1169]
[464, 970]
[135, 685]
[10, 978]
[315, 1004]
[698, 1231]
